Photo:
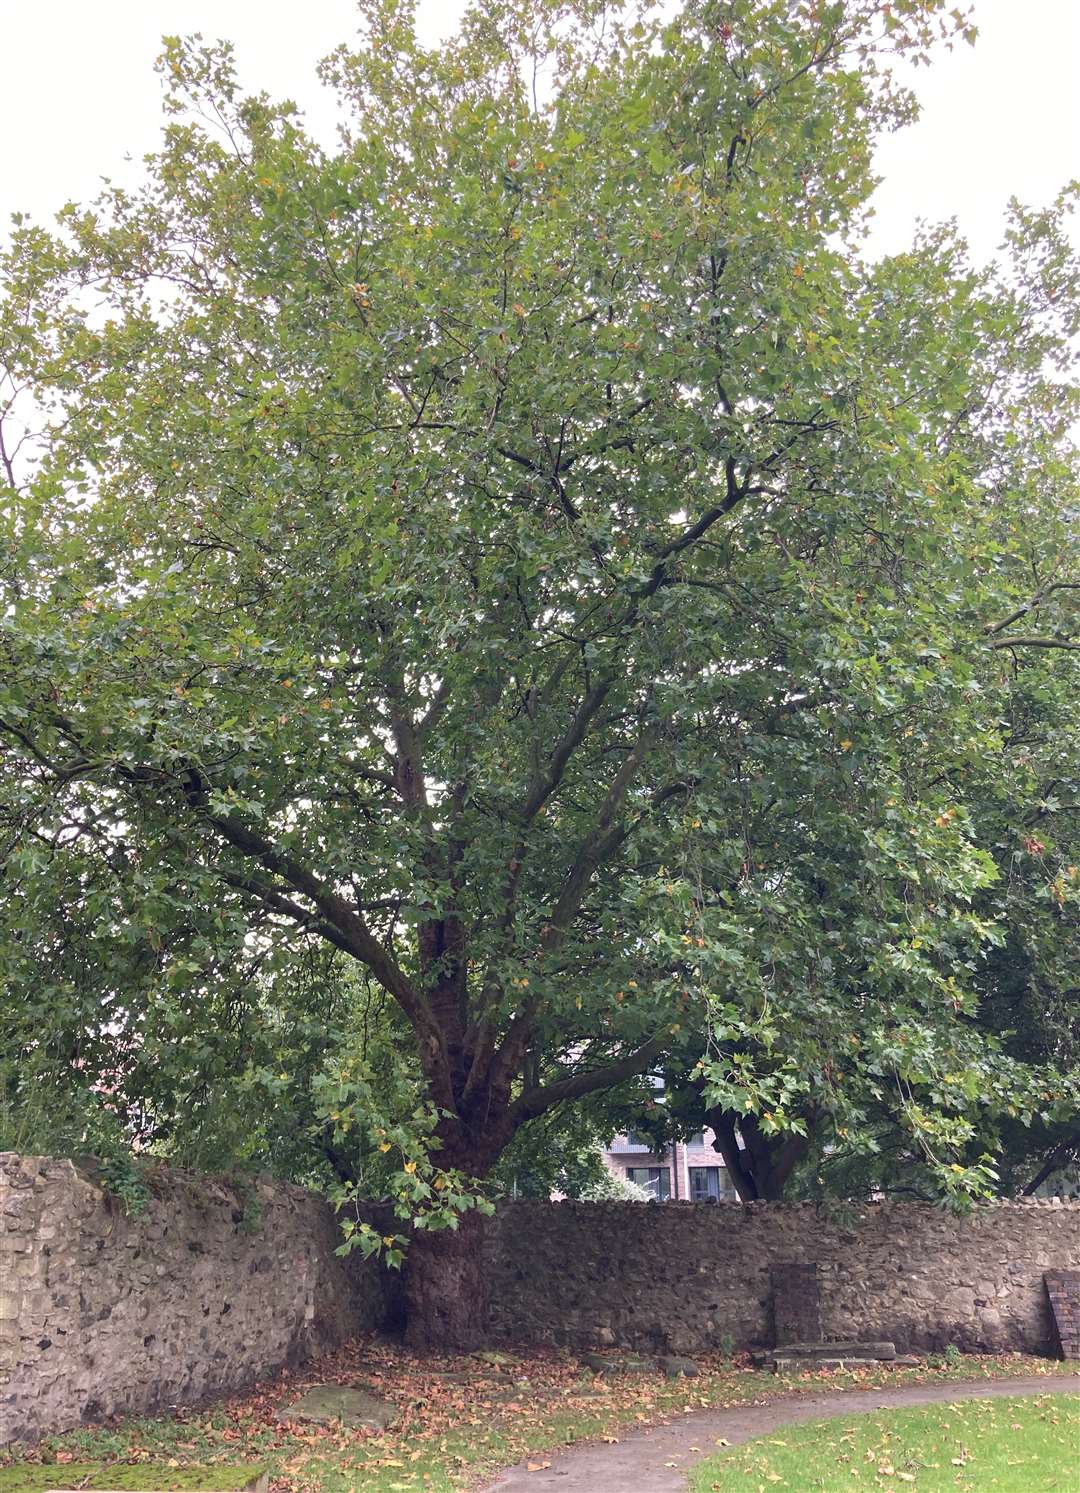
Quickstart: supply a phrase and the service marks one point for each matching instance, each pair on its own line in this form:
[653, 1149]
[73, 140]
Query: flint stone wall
[693, 1277]
[208, 1289]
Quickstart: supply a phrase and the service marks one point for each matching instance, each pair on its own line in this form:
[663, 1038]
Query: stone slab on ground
[358, 1408]
[620, 1363]
[826, 1355]
[658, 1460]
[839, 1348]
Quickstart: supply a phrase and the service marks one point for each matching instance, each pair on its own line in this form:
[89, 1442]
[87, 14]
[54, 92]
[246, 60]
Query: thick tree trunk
[1059, 1157]
[445, 1272]
[761, 1167]
[446, 1288]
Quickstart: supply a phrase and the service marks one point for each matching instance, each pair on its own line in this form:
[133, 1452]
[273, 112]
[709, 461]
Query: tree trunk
[761, 1167]
[1059, 1157]
[446, 1288]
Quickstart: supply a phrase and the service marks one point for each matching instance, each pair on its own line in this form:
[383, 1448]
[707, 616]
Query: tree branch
[722, 1125]
[572, 738]
[733, 496]
[275, 901]
[356, 937]
[603, 838]
[538, 1101]
[1027, 642]
[1057, 1158]
[1033, 605]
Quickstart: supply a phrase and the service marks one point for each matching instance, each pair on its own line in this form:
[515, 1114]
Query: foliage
[558, 1153]
[121, 1176]
[530, 555]
[611, 1189]
[1022, 802]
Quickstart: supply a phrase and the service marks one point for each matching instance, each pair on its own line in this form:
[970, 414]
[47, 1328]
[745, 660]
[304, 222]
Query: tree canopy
[526, 568]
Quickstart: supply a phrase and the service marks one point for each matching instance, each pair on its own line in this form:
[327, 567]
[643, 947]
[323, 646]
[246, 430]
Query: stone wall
[102, 1313]
[209, 1288]
[693, 1277]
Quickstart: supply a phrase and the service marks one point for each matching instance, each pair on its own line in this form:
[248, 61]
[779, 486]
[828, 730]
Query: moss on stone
[30, 1477]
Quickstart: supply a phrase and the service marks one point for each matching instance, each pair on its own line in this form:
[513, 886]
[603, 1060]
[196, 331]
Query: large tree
[515, 550]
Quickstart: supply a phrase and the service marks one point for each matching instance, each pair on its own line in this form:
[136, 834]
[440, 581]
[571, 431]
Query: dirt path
[657, 1460]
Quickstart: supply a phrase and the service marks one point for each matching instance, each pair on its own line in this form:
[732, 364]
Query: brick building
[683, 1170]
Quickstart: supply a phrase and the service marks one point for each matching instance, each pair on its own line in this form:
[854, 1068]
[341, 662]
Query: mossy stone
[495, 1360]
[357, 1408]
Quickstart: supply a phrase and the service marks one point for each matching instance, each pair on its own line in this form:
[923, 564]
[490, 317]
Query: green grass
[1022, 1445]
[97, 1479]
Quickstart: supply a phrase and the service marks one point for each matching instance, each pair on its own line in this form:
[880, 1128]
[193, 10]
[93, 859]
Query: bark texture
[447, 1288]
[761, 1166]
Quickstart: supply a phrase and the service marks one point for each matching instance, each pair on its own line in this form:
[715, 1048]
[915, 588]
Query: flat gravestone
[356, 1409]
[796, 1304]
[1063, 1288]
[619, 1363]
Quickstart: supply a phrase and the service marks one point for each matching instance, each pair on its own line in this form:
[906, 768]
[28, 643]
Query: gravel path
[657, 1460]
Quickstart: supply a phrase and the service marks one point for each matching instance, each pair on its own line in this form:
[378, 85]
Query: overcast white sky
[79, 93]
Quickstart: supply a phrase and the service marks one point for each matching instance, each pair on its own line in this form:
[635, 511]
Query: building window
[656, 1180]
[632, 1141]
[697, 1141]
[709, 1184]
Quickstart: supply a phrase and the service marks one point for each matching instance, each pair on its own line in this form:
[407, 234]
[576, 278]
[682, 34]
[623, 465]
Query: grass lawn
[461, 1419]
[1029, 1445]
